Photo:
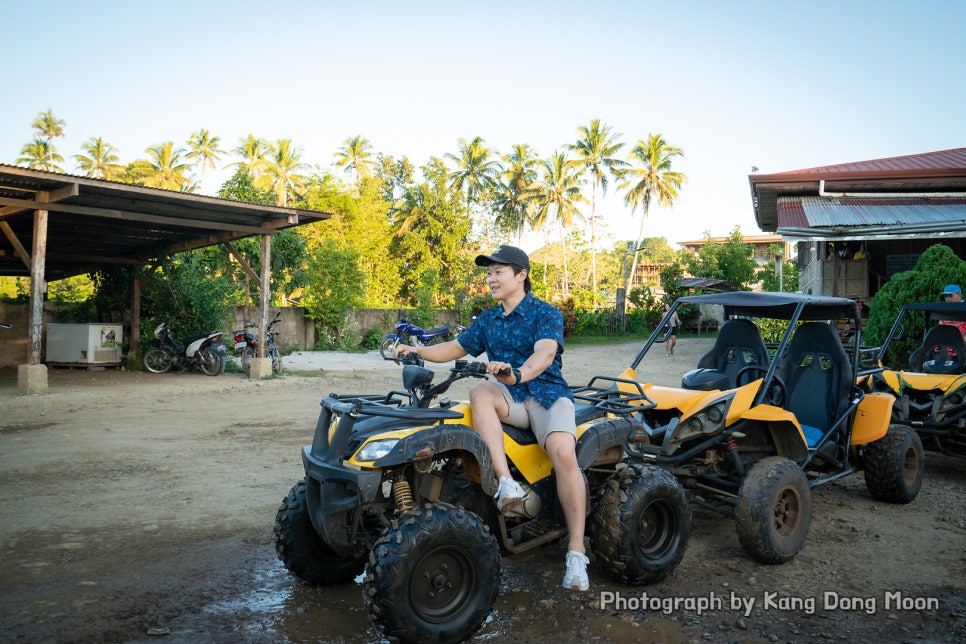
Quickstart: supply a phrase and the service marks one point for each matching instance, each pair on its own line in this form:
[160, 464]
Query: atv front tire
[303, 551]
[433, 575]
[894, 465]
[774, 510]
[641, 525]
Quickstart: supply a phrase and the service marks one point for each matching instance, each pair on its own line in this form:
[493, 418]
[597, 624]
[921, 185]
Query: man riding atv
[523, 338]
[402, 486]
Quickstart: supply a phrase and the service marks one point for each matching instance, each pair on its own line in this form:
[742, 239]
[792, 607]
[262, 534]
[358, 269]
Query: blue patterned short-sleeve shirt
[510, 338]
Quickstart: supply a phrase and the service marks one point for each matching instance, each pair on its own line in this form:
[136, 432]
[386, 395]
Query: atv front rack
[610, 398]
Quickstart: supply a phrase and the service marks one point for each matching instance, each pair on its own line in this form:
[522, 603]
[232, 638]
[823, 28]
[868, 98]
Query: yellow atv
[755, 428]
[930, 395]
[401, 486]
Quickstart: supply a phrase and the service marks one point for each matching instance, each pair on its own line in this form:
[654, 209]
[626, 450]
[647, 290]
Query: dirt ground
[137, 507]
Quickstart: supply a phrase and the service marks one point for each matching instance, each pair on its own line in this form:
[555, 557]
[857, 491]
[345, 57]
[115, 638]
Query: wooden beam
[65, 191]
[135, 216]
[242, 261]
[17, 246]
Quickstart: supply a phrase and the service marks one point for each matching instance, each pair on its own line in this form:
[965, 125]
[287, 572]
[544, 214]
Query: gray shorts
[530, 414]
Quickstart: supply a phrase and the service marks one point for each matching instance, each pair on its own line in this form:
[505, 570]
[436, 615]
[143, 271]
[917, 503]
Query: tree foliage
[732, 261]
[190, 290]
[335, 284]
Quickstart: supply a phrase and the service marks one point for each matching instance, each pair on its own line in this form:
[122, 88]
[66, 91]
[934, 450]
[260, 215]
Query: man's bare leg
[489, 405]
[571, 489]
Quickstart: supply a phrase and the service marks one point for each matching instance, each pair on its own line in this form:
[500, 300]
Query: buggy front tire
[433, 575]
[157, 360]
[774, 510]
[894, 465]
[302, 550]
[641, 525]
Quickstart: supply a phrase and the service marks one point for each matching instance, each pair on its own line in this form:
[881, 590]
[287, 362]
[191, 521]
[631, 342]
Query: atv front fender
[332, 491]
[443, 438]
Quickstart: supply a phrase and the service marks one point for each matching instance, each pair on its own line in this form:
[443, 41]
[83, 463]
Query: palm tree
[204, 150]
[101, 160]
[475, 169]
[557, 193]
[653, 178]
[252, 152]
[39, 155]
[280, 170]
[595, 150]
[355, 154]
[519, 172]
[48, 126]
[165, 168]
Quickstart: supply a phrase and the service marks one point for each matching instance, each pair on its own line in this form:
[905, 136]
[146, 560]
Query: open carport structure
[57, 225]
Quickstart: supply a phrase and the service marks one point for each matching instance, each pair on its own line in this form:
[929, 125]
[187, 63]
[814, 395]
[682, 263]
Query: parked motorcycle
[204, 352]
[407, 332]
[247, 343]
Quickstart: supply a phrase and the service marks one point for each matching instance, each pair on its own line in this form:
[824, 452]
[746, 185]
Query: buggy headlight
[707, 422]
[374, 450]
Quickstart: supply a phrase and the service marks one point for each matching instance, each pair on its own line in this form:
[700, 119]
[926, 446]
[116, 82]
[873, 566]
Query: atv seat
[738, 345]
[818, 377]
[524, 435]
[942, 351]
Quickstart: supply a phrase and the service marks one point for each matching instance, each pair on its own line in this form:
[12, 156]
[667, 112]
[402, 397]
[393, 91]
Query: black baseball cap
[505, 255]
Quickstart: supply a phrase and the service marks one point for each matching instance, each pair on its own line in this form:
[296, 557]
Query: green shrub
[937, 267]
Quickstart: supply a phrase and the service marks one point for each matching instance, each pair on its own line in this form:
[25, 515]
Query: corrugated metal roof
[890, 212]
[804, 218]
[942, 160]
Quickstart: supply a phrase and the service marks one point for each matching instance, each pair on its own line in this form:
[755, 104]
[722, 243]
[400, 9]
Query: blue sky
[777, 85]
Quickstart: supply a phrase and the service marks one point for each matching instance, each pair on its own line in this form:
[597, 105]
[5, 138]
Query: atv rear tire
[303, 551]
[433, 575]
[894, 465]
[641, 525]
[774, 510]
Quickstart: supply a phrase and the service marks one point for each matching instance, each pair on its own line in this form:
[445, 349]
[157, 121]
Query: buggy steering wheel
[777, 392]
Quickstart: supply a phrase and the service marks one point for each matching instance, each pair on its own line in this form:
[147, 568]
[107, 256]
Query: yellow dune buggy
[930, 396]
[756, 427]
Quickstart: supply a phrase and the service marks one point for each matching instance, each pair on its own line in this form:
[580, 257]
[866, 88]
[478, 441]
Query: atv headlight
[374, 450]
[707, 422]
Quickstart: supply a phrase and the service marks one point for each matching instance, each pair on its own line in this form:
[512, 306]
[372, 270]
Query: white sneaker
[576, 576]
[509, 495]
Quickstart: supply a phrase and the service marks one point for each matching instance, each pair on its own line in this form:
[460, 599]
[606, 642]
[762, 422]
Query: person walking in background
[672, 338]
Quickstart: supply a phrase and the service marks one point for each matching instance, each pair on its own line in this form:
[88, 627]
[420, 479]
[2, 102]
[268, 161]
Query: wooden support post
[38, 287]
[265, 296]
